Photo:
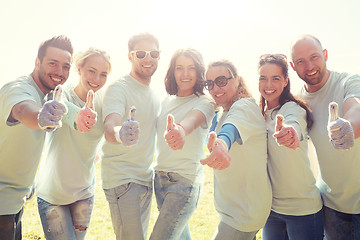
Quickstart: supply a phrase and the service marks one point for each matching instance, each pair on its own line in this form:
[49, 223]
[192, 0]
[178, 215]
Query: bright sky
[237, 30]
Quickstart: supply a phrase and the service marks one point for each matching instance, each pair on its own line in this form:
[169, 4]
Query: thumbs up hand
[87, 116]
[285, 135]
[340, 132]
[52, 112]
[174, 134]
[128, 133]
[219, 158]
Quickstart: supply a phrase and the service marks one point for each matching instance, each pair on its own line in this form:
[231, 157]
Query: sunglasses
[220, 81]
[141, 54]
[268, 57]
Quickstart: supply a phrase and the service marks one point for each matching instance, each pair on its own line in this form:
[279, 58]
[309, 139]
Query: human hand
[340, 132]
[87, 116]
[174, 134]
[285, 135]
[219, 158]
[52, 112]
[128, 133]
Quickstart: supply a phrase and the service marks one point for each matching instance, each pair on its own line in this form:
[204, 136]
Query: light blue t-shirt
[242, 192]
[339, 180]
[67, 171]
[121, 164]
[186, 161]
[20, 147]
[292, 181]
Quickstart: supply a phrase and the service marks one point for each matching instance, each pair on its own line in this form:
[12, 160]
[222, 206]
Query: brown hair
[61, 42]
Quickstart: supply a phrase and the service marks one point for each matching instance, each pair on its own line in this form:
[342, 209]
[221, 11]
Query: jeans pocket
[122, 189]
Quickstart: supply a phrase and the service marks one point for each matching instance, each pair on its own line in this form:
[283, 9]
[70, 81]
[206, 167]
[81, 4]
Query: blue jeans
[340, 225]
[10, 226]
[177, 198]
[226, 232]
[68, 222]
[281, 227]
[130, 207]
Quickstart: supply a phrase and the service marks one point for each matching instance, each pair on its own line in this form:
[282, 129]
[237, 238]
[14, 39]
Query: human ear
[325, 52]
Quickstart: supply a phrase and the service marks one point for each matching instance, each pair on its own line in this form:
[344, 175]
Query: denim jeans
[225, 232]
[130, 206]
[10, 226]
[67, 222]
[177, 198]
[281, 227]
[340, 225]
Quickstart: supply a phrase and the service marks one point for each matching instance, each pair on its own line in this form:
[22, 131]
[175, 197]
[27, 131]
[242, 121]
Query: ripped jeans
[68, 222]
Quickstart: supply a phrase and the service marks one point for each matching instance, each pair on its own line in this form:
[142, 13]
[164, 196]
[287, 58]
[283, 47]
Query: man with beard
[128, 155]
[335, 101]
[24, 116]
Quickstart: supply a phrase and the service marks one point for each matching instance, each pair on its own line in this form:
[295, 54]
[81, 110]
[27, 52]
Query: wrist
[222, 143]
[117, 134]
[181, 127]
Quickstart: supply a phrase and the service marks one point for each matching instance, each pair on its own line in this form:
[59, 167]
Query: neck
[35, 76]
[144, 80]
[314, 88]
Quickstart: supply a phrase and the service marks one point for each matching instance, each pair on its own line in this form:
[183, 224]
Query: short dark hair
[61, 42]
[140, 37]
[170, 82]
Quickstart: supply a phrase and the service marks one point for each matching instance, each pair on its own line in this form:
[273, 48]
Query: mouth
[312, 73]
[269, 91]
[219, 95]
[147, 66]
[56, 79]
[93, 85]
[186, 80]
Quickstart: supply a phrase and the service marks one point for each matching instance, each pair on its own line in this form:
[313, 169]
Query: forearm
[192, 121]
[111, 121]
[26, 112]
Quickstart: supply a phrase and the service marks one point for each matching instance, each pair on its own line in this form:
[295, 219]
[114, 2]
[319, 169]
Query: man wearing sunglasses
[336, 138]
[128, 154]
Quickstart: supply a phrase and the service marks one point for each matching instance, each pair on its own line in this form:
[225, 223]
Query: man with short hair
[336, 138]
[129, 148]
[24, 116]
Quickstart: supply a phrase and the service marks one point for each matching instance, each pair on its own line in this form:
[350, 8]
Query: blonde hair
[82, 57]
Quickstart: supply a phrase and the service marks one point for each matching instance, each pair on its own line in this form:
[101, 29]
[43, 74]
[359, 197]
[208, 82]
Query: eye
[179, 68]
[104, 75]
[277, 78]
[91, 71]
[67, 68]
[262, 78]
[315, 57]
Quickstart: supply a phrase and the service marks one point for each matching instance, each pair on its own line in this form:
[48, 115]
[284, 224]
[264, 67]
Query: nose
[309, 65]
[186, 72]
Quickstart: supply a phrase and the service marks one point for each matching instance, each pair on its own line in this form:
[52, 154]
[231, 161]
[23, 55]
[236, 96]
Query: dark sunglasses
[141, 54]
[220, 81]
[267, 57]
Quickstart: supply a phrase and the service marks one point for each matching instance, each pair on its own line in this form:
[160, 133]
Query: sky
[237, 30]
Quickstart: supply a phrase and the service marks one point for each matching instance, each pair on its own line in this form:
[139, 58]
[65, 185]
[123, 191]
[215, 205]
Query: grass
[202, 224]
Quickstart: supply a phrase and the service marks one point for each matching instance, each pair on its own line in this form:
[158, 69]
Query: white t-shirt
[242, 191]
[292, 181]
[67, 171]
[186, 162]
[339, 180]
[121, 164]
[20, 147]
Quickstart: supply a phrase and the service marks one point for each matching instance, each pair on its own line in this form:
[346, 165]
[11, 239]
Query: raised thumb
[57, 93]
[279, 123]
[170, 122]
[211, 141]
[90, 100]
[333, 111]
[132, 113]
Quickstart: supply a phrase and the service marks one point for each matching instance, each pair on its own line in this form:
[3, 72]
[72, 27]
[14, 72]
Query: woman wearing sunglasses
[296, 211]
[242, 188]
[185, 118]
[66, 179]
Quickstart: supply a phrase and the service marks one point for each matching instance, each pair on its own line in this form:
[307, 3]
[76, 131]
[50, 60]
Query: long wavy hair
[286, 95]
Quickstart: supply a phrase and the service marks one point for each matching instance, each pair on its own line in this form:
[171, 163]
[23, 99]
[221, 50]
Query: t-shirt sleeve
[12, 94]
[207, 106]
[114, 100]
[352, 87]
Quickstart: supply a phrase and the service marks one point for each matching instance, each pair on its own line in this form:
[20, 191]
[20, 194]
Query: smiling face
[53, 69]
[271, 83]
[93, 75]
[223, 96]
[309, 62]
[185, 75]
[143, 69]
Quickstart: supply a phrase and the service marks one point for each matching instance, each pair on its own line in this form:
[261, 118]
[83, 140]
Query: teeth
[269, 91]
[312, 73]
[93, 85]
[186, 80]
[219, 95]
[56, 79]
[147, 66]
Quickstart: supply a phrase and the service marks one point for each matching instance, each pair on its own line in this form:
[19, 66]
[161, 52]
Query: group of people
[259, 153]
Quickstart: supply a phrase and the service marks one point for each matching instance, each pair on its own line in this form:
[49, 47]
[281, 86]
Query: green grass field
[202, 224]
